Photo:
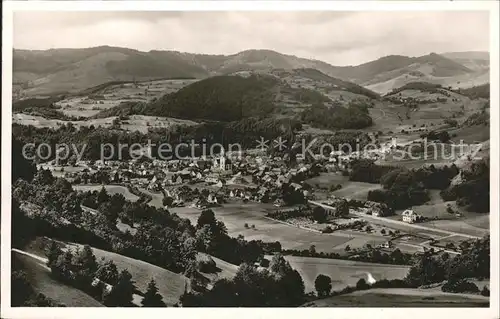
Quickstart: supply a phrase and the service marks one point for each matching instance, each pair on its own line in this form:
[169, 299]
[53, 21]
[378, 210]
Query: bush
[459, 286]
[323, 285]
[485, 292]
[327, 230]
[264, 262]
[207, 264]
[362, 285]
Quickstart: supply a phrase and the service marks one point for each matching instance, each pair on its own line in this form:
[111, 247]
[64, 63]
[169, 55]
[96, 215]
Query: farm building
[409, 216]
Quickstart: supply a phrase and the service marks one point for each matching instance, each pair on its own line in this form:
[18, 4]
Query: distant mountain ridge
[59, 70]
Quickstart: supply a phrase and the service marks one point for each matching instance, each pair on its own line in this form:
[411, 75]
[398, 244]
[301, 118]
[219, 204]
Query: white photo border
[9, 7]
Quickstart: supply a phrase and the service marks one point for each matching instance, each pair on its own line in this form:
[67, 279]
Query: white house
[409, 216]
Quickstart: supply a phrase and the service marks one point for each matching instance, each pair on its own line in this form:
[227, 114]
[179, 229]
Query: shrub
[327, 230]
[264, 262]
[459, 286]
[323, 285]
[207, 264]
[485, 292]
[362, 285]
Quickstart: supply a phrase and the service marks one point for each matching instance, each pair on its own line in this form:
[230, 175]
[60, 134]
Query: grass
[352, 190]
[472, 134]
[460, 226]
[139, 123]
[39, 276]
[400, 297]
[236, 214]
[170, 285]
[111, 189]
[342, 272]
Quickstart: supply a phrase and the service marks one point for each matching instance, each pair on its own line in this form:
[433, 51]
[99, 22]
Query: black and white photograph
[158, 156]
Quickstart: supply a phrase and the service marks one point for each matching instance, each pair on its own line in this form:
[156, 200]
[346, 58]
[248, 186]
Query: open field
[141, 123]
[478, 220]
[60, 171]
[471, 135]
[113, 95]
[170, 285]
[343, 272]
[157, 198]
[459, 226]
[351, 190]
[39, 277]
[236, 214]
[401, 297]
[111, 189]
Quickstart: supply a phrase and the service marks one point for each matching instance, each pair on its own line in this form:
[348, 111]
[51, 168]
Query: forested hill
[236, 97]
[222, 98]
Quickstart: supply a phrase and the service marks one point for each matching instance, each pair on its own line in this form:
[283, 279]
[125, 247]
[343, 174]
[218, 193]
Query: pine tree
[102, 196]
[122, 293]
[85, 267]
[52, 253]
[107, 272]
[152, 298]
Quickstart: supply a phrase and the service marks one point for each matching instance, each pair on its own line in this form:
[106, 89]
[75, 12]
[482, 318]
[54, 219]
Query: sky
[339, 38]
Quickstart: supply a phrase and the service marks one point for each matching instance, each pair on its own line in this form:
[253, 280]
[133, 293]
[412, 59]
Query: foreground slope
[401, 297]
[39, 276]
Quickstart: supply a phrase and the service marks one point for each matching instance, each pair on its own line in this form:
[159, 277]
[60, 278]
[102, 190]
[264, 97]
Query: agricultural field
[470, 135]
[112, 95]
[235, 215]
[343, 272]
[465, 226]
[111, 189]
[401, 297]
[60, 171]
[141, 123]
[351, 190]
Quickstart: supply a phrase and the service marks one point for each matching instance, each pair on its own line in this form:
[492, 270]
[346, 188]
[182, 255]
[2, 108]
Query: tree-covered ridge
[480, 91]
[220, 98]
[356, 116]
[420, 86]
[473, 262]
[318, 76]
[88, 139]
[473, 192]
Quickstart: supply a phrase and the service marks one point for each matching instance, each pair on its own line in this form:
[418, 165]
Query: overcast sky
[339, 38]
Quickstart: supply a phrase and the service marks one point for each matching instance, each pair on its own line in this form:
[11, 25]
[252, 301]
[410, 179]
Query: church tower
[222, 160]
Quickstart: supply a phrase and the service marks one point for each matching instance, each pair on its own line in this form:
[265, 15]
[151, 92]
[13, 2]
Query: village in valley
[258, 179]
[350, 186]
